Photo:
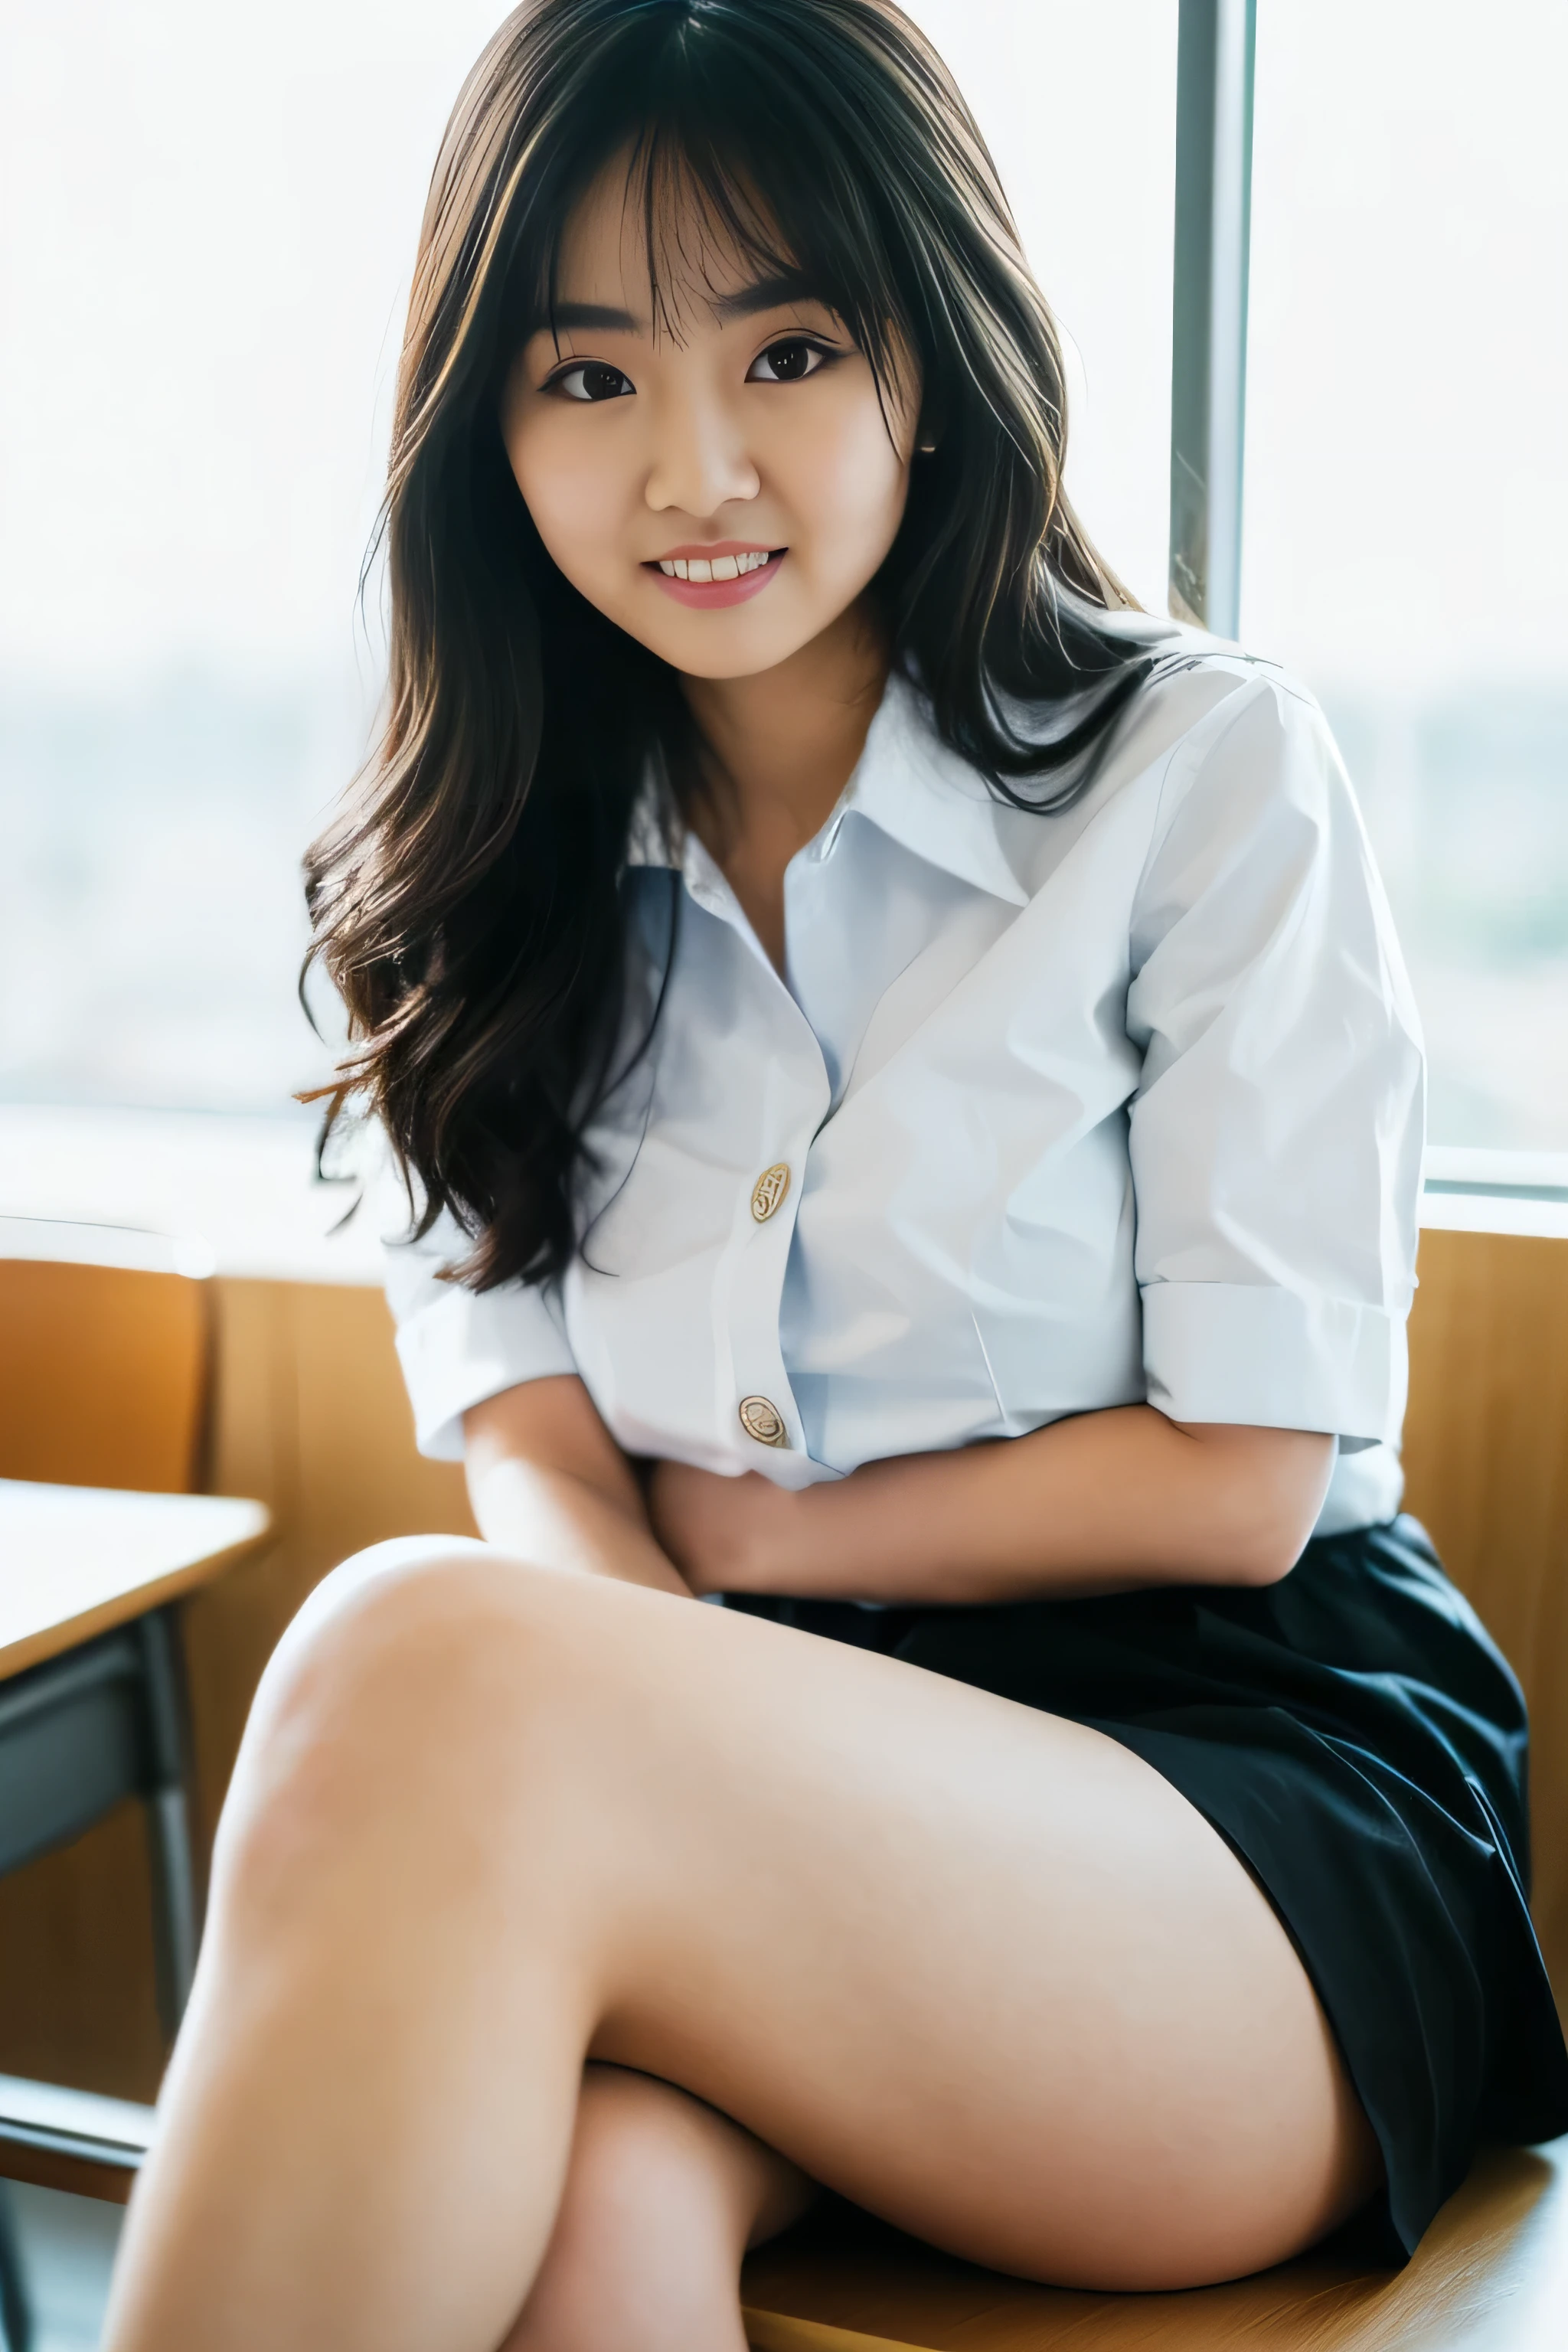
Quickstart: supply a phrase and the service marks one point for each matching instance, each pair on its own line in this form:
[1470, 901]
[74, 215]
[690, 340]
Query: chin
[748, 664]
[699, 654]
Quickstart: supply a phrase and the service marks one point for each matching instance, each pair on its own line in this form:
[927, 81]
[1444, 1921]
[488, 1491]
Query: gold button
[766, 1193]
[764, 1422]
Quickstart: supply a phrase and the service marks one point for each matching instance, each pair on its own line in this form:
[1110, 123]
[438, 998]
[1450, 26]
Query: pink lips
[707, 594]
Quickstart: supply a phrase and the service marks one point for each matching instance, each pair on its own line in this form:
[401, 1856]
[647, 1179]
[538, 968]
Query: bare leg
[663, 2197]
[982, 1970]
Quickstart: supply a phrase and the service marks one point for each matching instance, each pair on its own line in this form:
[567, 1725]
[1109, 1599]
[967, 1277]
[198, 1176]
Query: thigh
[977, 1967]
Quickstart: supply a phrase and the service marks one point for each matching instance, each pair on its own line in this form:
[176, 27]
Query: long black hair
[465, 902]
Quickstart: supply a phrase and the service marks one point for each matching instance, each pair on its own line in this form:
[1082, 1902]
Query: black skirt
[1358, 1738]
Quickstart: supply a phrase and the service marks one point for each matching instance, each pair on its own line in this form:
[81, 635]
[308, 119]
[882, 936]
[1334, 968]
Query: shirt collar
[914, 788]
[659, 835]
[907, 782]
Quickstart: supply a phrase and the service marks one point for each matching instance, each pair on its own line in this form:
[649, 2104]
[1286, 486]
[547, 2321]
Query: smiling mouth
[729, 575]
[717, 567]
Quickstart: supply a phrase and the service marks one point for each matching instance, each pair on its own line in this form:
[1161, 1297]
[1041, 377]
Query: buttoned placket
[797, 1097]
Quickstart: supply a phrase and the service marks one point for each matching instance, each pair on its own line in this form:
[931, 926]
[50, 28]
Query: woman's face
[743, 443]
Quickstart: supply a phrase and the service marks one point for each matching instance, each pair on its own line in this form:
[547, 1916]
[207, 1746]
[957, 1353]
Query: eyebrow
[770, 294]
[593, 317]
[767, 294]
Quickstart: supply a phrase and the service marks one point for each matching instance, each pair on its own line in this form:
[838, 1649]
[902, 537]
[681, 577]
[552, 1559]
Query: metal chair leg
[176, 1922]
[176, 1887]
[16, 2307]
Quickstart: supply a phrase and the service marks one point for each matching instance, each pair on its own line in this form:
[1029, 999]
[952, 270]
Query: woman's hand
[725, 1535]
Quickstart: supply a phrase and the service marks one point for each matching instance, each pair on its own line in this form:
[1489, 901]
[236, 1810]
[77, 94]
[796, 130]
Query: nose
[701, 461]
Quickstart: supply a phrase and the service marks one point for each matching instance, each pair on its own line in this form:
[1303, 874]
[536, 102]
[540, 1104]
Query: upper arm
[491, 1375]
[459, 1347]
[1276, 1134]
[1262, 1490]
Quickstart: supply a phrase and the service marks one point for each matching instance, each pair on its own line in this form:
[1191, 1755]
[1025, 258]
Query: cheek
[570, 493]
[853, 485]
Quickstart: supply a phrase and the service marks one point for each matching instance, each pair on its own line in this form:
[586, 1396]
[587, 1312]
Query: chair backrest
[1486, 1456]
[104, 1348]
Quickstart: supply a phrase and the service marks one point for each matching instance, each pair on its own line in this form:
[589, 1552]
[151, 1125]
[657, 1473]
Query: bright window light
[208, 223]
[1407, 503]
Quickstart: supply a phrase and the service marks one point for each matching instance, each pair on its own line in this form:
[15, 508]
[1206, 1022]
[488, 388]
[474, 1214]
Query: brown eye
[592, 380]
[787, 361]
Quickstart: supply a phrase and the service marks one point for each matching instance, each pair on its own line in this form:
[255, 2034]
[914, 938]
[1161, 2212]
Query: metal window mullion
[1216, 44]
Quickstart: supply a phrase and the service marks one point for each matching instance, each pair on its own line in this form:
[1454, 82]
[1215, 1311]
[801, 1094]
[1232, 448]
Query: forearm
[547, 1484]
[1102, 1502]
[556, 1520]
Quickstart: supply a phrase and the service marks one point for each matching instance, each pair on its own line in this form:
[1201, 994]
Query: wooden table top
[76, 1561]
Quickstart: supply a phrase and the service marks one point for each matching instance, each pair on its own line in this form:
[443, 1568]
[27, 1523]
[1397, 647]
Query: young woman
[914, 1110]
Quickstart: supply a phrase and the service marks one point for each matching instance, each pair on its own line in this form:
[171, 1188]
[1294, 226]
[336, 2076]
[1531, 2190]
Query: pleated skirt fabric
[1359, 1741]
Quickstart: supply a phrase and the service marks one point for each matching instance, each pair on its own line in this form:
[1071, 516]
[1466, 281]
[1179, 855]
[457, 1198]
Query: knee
[648, 2238]
[363, 1607]
[645, 2154]
[653, 2168]
[386, 1701]
[420, 1608]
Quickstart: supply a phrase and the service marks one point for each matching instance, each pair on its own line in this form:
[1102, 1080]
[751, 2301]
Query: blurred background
[207, 222]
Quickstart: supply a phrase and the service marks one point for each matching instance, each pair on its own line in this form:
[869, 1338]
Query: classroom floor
[65, 2244]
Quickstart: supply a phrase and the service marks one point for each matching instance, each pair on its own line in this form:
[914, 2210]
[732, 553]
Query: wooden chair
[104, 1347]
[104, 1341]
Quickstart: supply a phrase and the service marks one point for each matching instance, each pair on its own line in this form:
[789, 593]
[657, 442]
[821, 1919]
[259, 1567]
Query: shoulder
[1254, 827]
[1205, 702]
[1213, 739]
[1228, 745]
[1199, 692]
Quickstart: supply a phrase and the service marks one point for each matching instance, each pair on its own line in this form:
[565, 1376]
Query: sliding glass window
[1406, 541]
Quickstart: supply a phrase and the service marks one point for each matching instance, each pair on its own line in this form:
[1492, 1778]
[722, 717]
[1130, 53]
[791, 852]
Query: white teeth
[722, 567]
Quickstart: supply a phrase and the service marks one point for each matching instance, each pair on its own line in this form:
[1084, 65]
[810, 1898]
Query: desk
[92, 1703]
[77, 1560]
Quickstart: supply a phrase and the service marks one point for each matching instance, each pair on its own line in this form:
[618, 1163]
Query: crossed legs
[663, 2196]
[979, 1970]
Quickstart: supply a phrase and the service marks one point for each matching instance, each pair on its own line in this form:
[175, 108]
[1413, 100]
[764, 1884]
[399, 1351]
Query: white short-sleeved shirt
[1048, 1113]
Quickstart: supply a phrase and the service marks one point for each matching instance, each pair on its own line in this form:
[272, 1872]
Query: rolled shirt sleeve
[1276, 1134]
[457, 1345]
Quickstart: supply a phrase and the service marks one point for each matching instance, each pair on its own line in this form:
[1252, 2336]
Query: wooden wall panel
[76, 1998]
[1486, 1454]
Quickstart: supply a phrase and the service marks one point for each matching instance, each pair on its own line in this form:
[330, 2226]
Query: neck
[786, 741]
